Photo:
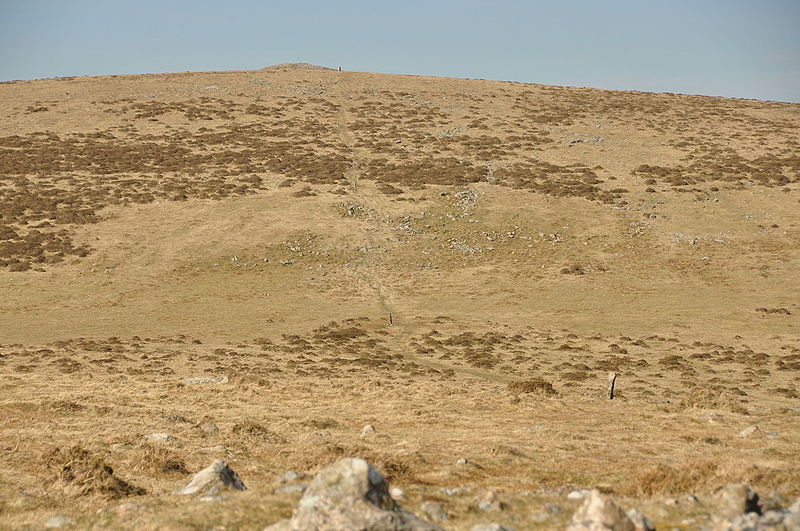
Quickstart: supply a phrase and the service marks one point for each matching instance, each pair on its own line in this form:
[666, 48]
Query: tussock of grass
[536, 386]
[82, 473]
[709, 475]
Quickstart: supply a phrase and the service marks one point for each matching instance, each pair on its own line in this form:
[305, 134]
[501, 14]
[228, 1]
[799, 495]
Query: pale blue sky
[737, 48]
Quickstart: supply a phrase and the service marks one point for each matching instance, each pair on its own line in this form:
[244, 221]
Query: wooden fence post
[612, 378]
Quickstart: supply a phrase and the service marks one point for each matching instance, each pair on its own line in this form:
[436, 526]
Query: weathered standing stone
[351, 494]
[600, 512]
[212, 479]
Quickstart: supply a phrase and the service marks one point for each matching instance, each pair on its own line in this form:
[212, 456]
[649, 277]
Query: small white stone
[210, 499]
[206, 380]
[434, 511]
[577, 494]
[159, 437]
[60, 521]
[748, 431]
[397, 494]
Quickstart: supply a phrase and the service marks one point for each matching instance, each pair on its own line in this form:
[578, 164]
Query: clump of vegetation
[254, 430]
[157, 461]
[712, 399]
[321, 424]
[534, 386]
[778, 311]
[85, 474]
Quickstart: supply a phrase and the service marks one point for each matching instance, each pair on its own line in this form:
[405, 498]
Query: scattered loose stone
[748, 431]
[600, 512]
[206, 380]
[350, 494]
[769, 521]
[60, 521]
[123, 508]
[489, 502]
[212, 479]
[740, 509]
[367, 430]
[490, 527]
[461, 461]
[207, 427]
[397, 494]
[211, 499]
[214, 449]
[159, 437]
[434, 511]
[455, 491]
[552, 508]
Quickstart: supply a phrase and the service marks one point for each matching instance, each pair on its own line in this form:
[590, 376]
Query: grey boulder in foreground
[350, 494]
[600, 512]
[212, 479]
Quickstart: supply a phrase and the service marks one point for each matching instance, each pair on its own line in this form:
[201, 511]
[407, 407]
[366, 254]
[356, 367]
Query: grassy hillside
[350, 248]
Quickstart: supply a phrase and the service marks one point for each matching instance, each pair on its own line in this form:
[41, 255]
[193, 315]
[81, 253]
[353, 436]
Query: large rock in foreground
[600, 512]
[351, 494]
[212, 479]
[739, 509]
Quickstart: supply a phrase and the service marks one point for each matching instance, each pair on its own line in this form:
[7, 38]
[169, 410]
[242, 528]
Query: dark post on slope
[612, 378]
[390, 319]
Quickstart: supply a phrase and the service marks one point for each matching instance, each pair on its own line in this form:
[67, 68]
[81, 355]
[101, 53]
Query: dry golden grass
[524, 240]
